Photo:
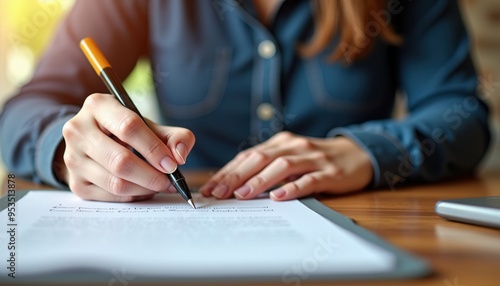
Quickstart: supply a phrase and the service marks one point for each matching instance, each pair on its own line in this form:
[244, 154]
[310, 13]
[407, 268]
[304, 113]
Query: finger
[90, 172]
[232, 176]
[259, 159]
[180, 141]
[92, 192]
[251, 165]
[123, 163]
[130, 128]
[279, 170]
[208, 187]
[304, 186]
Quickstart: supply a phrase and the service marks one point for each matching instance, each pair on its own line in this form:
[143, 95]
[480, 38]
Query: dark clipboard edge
[407, 266]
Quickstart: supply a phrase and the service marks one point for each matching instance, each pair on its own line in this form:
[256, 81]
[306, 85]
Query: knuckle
[336, 172]
[219, 177]
[320, 157]
[70, 159]
[259, 156]
[157, 183]
[128, 125]
[70, 129]
[303, 143]
[258, 181]
[293, 188]
[121, 164]
[116, 185]
[154, 148]
[231, 178]
[310, 179]
[283, 162]
[93, 100]
[214, 181]
[242, 155]
[284, 135]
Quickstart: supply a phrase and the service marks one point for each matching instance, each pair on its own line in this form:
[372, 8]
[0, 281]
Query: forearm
[433, 143]
[446, 132]
[29, 139]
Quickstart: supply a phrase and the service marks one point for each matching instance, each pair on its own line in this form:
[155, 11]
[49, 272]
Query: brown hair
[358, 23]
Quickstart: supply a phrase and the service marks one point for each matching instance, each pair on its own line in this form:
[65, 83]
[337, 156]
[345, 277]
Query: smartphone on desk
[483, 211]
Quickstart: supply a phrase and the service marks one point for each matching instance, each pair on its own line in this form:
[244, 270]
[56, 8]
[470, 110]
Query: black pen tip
[191, 202]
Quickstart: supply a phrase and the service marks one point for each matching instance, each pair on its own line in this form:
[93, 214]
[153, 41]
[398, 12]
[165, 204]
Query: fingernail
[242, 192]
[220, 191]
[181, 149]
[278, 193]
[168, 164]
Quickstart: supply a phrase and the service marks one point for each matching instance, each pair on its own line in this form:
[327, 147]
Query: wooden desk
[459, 254]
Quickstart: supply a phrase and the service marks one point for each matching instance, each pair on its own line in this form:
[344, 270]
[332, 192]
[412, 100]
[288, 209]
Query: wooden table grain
[459, 254]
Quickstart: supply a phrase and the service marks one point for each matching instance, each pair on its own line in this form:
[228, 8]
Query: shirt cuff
[385, 151]
[45, 150]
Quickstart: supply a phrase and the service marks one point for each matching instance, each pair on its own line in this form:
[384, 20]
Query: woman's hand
[304, 165]
[98, 161]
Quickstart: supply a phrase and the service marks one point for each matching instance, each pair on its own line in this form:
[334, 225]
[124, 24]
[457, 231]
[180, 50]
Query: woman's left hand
[303, 166]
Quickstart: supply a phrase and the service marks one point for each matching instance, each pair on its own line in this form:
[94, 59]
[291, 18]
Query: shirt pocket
[339, 88]
[195, 83]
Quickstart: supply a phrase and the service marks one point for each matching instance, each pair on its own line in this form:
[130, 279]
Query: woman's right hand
[99, 163]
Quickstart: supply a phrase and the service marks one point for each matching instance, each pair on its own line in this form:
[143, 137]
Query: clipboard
[406, 266]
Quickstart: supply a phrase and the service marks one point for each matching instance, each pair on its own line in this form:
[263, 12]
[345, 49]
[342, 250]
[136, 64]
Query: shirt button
[267, 49]
[265, 111]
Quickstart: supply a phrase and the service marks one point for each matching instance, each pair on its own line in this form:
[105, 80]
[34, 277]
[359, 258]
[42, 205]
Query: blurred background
[27, 25]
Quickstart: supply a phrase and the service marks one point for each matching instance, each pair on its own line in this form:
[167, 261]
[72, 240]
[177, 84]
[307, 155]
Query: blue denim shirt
[235, 82]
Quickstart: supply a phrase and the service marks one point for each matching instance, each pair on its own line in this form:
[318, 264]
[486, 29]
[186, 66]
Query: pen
[104, 70]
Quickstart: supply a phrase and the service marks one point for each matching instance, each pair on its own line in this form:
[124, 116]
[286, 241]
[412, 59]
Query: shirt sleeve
[31, 121]
[446, 132]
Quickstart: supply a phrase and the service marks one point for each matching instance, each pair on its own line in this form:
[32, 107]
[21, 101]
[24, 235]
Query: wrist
[357, 161]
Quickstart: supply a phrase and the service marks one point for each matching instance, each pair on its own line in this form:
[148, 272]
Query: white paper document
[55, 231]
